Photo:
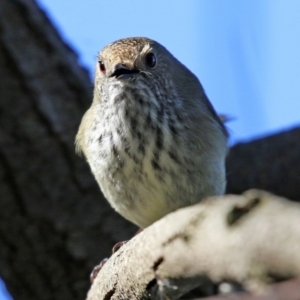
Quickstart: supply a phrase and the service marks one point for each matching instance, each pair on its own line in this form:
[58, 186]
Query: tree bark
[55, 224]
[250, 240]
[271, 163]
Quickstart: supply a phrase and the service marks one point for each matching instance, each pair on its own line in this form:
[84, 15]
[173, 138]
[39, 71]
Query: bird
[153, 140]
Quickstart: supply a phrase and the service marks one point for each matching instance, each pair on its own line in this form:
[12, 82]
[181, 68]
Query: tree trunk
[54, 223]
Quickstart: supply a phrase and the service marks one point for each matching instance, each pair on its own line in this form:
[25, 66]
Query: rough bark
[54, 223]
[250, 240]
[287, 290]
[271, 163]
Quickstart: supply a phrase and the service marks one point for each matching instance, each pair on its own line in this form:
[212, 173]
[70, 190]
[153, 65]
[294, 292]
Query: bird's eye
[102, 66]
[150, 60]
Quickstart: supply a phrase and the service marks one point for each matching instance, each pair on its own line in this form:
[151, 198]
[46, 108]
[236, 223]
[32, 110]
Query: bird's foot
[115, 248]
[97, 268]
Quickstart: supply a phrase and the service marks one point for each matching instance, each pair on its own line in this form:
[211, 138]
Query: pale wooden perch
[250, 239]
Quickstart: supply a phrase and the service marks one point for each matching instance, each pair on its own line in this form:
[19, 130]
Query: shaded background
[246, 53]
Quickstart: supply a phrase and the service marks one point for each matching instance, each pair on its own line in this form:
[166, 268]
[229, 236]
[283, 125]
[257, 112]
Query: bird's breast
[134, 153]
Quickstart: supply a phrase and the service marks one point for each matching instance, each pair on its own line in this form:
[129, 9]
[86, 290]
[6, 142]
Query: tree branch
[250, 239]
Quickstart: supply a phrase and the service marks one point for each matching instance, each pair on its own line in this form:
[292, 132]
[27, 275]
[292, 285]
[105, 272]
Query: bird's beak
[122, 71]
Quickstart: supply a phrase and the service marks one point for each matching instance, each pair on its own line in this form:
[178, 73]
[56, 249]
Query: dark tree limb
[55, 224]
[271, 163]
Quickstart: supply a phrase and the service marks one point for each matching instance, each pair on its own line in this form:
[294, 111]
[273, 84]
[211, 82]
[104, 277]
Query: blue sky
[245, 53]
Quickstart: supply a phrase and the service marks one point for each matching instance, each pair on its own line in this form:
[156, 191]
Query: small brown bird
[151, 137]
